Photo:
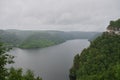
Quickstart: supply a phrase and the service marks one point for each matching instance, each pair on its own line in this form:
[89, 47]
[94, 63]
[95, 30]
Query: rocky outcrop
[114, 27]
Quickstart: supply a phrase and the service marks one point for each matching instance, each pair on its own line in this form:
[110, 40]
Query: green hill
[40, 39]
[100, 61]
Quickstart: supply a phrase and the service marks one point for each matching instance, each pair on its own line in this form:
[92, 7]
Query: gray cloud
[88, 15]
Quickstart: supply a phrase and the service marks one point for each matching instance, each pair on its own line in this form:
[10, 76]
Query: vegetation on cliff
[100, 61]
[114, 25]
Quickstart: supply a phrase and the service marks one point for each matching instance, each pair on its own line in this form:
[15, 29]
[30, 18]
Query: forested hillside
[40, 39]
[100, 61]
[9, 38]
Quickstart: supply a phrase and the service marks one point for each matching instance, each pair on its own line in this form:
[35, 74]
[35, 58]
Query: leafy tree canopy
[100, 61]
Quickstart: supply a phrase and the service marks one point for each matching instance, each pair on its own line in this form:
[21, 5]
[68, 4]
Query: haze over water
[51, 63]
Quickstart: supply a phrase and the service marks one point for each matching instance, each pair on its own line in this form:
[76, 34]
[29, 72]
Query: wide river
[51, 63]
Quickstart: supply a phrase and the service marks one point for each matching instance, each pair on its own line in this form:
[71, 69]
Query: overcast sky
[83, 15]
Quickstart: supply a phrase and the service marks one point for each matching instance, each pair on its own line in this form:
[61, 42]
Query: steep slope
[41, 40]
[100, 61]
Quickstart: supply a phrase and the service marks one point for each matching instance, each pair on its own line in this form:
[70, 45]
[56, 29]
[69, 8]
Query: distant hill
[40, 39]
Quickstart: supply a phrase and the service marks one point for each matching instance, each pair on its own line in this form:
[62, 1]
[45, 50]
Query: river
[51, 63]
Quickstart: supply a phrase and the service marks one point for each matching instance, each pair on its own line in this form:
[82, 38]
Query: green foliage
[41, 40]
[36, 44]
[17, 74]
[74, 68]
[9, 38]
[4, 59]
[101, 61]
[115, 24]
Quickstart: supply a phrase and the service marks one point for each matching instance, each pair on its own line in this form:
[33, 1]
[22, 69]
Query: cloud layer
[87, 15]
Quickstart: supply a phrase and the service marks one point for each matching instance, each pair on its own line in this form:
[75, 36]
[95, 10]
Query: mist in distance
[65, 15]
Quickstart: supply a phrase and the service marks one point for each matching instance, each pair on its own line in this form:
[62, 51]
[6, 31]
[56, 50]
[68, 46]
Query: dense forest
[40, 39]
[100, 61]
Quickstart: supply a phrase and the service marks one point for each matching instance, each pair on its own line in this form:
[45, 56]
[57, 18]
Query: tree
[15, 74]
[4, 59]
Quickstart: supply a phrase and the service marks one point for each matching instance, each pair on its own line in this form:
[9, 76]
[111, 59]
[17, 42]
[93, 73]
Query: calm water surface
[51, 63]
